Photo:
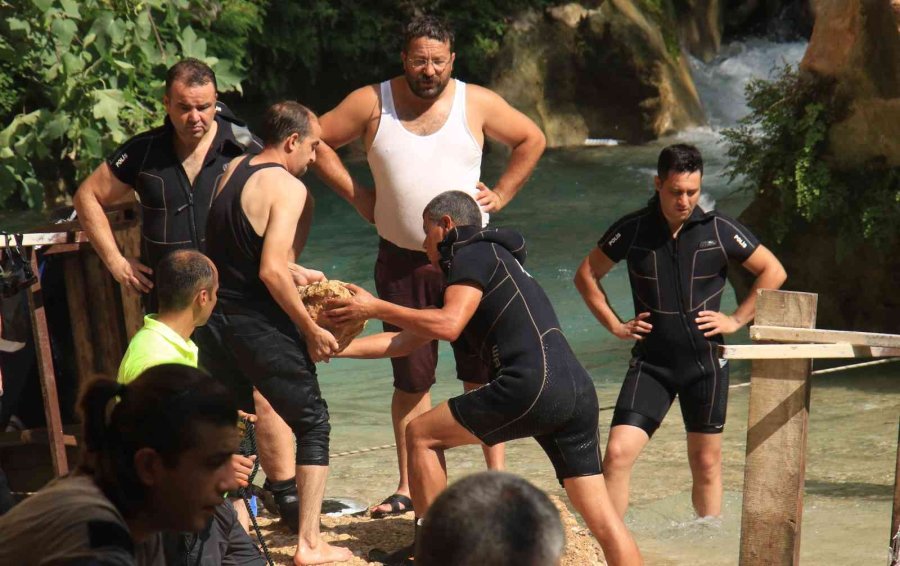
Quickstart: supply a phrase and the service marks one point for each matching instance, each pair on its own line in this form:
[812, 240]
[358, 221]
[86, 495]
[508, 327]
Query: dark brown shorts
[406, 277]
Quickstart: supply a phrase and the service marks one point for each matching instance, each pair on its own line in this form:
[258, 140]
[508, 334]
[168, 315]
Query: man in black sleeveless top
[260, 326]
[494, 311]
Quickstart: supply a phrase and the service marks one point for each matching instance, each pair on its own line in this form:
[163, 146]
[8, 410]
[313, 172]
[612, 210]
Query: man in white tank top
[423, 133]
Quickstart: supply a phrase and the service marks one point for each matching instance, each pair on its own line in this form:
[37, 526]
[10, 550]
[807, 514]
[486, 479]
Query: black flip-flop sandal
[401, 557]
[395, 501]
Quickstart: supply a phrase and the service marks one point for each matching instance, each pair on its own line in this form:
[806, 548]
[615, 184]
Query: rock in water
[316, 295]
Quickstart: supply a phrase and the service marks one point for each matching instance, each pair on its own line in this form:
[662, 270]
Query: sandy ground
[361, 534]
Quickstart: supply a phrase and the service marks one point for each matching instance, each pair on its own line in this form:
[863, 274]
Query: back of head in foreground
[491, 518]
[163, 451]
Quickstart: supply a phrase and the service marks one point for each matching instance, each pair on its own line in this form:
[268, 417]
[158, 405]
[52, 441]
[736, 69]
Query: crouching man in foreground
[495, 311]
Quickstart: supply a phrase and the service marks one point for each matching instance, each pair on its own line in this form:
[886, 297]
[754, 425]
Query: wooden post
[895, 521]
[46, 371]
[129, 241]
[776, 440]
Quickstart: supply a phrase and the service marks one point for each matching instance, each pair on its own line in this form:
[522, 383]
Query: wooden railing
[780, 383]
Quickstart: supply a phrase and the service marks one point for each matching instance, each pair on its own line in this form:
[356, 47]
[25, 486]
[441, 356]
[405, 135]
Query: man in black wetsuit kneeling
[495, 311]
[677, 258]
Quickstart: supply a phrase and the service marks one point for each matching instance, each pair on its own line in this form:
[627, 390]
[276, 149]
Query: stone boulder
[856, 43]
[700, 27]
[609, 71]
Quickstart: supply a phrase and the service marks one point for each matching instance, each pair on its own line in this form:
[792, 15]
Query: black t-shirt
[173, 212]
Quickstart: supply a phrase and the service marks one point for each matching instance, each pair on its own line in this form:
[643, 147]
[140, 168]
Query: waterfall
[721, 82]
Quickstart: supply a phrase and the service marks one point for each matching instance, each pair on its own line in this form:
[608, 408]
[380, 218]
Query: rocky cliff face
[597, 72]
[856, 44]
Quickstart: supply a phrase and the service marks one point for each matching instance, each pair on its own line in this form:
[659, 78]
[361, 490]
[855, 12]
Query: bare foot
[323, 553]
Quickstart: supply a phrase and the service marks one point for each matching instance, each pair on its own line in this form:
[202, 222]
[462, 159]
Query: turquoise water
[573, 196]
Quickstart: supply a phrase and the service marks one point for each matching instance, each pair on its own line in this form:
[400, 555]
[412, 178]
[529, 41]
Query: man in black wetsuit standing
[677, 259]
[174, 169]
[493, 310]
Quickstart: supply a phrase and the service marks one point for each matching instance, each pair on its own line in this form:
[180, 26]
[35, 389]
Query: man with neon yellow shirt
[186, 285]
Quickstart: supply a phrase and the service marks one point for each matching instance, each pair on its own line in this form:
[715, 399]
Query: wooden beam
[804, 351]
[129, 241]
[47, 373]
[810, 335]
[776, 440]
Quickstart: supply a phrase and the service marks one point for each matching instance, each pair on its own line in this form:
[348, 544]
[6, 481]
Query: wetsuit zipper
[188, 190]
[683, 312]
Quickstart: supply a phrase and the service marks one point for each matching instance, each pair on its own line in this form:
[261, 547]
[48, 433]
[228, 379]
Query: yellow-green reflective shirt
[155, 344]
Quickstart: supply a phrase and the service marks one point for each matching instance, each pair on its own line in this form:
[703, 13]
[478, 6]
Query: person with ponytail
[158, 459]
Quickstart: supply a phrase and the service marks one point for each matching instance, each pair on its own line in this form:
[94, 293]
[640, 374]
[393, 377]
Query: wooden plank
[106, 333]
[47, 374]
[776, 440]
[129, 241]
[80, 324]
[802, 335]
[894, 541]
[803, 351]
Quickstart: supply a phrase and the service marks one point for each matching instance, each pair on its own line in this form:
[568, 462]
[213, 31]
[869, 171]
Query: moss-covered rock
[600, 72]
[700, 27]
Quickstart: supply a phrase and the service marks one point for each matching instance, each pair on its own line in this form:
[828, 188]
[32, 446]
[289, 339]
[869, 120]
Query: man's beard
[428, 93]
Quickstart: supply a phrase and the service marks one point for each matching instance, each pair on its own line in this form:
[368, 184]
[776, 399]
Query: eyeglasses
[438, 64]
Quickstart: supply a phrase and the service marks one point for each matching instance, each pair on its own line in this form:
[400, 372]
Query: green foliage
[780, 151]
[316, 51]
[86, 75]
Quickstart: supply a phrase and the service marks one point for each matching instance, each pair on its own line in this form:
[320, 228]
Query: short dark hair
[180, 275]
[161, 409]
[679, 158]
[458, 205]
[191, 72]
[427, 26]
[492, 518]
[285, 118]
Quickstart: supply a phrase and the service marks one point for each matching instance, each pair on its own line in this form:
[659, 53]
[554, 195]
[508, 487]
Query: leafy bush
[780, 151]
[317, 51]
[85, 76]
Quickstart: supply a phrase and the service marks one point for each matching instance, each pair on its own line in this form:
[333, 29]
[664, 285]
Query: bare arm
[331, 170]
[99, 189]
[345, 123]
[587, 280]
[383, 345]
[770, 274]
[507, 125]
[445, 323]
[285, 210]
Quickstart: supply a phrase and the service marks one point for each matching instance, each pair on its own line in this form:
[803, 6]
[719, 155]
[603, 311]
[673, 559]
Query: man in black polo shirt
[174, 169]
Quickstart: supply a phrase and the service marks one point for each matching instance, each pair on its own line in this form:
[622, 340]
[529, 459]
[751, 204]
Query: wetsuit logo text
[121, 160]
[615, 238]
[740, 241]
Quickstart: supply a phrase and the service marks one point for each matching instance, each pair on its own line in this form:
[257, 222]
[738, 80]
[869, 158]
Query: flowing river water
[573, 196]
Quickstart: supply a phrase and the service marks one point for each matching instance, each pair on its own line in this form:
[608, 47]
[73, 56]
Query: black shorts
[244, 350]
[407, 278]
[649, 389]
[556, 404]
